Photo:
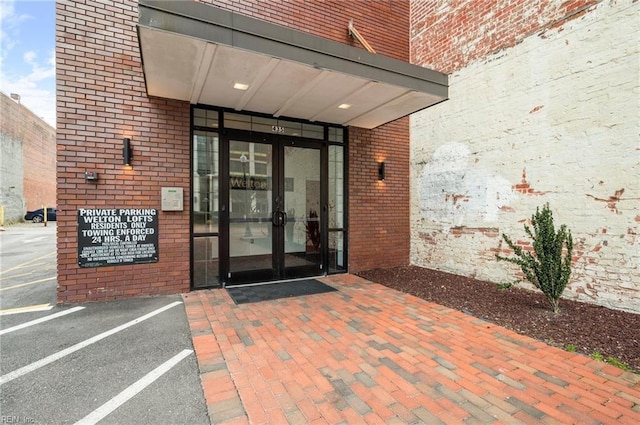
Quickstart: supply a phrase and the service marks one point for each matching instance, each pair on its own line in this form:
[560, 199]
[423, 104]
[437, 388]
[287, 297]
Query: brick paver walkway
[371, 355]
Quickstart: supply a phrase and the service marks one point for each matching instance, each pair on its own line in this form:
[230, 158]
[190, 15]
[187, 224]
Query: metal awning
[207, 55]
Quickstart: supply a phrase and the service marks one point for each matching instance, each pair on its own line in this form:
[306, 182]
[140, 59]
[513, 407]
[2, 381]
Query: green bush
[546, 268]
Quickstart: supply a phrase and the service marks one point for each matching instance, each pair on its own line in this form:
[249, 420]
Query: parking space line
[16, 275]
[60, 354]
[28, 262]
[111, 405]
[28, 283]
[40, 320]
[26, 309]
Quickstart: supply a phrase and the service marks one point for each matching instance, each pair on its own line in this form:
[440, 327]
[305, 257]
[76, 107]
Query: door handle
[279, 218]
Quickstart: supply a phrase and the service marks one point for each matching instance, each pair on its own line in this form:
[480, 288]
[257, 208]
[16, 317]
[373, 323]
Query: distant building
[27, 160]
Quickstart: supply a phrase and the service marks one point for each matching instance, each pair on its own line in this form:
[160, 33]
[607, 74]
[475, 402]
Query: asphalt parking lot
[120, 362]
[28, 266]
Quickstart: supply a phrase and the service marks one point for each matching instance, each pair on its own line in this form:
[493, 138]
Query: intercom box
[172, 199]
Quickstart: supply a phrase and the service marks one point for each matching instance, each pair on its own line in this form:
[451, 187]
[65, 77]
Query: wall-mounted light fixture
[381, 171]
[127, 151]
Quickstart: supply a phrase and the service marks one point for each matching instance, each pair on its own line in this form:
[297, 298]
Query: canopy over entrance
[207, 55]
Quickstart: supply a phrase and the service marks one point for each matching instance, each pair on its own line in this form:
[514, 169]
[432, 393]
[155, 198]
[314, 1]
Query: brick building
[543, 109]
[27, 160]
[256, 133]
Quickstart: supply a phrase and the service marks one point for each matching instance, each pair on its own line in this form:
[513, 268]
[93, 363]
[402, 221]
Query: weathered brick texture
[449, 35]
[28, 172]
[547, 113]
[102, 98]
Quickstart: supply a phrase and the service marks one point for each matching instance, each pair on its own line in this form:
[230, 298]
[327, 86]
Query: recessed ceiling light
[240, 86]
[344, 106]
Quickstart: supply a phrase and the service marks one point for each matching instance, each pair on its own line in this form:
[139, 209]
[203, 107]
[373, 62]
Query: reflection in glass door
[250, 211]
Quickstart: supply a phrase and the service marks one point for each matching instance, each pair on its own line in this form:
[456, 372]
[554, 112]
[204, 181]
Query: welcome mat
[274, 291]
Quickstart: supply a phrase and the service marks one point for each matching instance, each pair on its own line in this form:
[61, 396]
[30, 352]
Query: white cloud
[29, 57]
[10, 23]
[36, 89]
[27, 73]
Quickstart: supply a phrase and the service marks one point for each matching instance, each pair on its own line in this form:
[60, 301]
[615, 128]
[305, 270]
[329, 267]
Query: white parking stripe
[60, 354]
[30, 262]
[40, 320]
[26, 309]
[16, 275]
[29, 283]
[111, 405]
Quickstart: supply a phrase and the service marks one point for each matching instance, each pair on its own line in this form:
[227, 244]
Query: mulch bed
[587, 327]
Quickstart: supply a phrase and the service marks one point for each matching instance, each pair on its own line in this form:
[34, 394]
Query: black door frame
[279, 271]
[332, 262]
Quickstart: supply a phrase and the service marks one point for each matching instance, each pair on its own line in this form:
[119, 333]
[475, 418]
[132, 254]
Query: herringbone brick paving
[368, 354]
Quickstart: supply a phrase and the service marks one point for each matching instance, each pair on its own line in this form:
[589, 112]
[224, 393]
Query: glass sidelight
[205, 211]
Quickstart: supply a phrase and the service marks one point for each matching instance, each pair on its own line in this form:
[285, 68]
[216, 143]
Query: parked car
[37, 216]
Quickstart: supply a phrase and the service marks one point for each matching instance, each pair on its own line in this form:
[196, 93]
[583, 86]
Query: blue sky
[27, 54]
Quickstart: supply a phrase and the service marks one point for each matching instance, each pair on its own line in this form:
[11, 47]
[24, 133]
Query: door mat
[274, 291]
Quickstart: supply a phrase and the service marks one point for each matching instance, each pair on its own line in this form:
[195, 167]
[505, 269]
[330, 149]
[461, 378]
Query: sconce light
[127, 151]
[381, 171]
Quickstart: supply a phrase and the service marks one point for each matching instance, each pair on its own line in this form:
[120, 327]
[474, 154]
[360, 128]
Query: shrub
[546, 268]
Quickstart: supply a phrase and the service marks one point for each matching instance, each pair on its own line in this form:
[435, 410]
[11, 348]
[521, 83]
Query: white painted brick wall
[559, 112]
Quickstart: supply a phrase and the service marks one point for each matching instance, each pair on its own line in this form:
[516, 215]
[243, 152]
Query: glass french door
[274, 227]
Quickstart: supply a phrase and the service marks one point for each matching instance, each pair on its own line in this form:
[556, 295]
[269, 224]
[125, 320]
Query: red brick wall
[38, 140]
[379, 210]
[101, 99]
[447, 36]
[384, 24]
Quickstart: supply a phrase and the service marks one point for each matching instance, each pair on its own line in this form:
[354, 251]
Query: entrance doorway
[275, 219]
[266, 206]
